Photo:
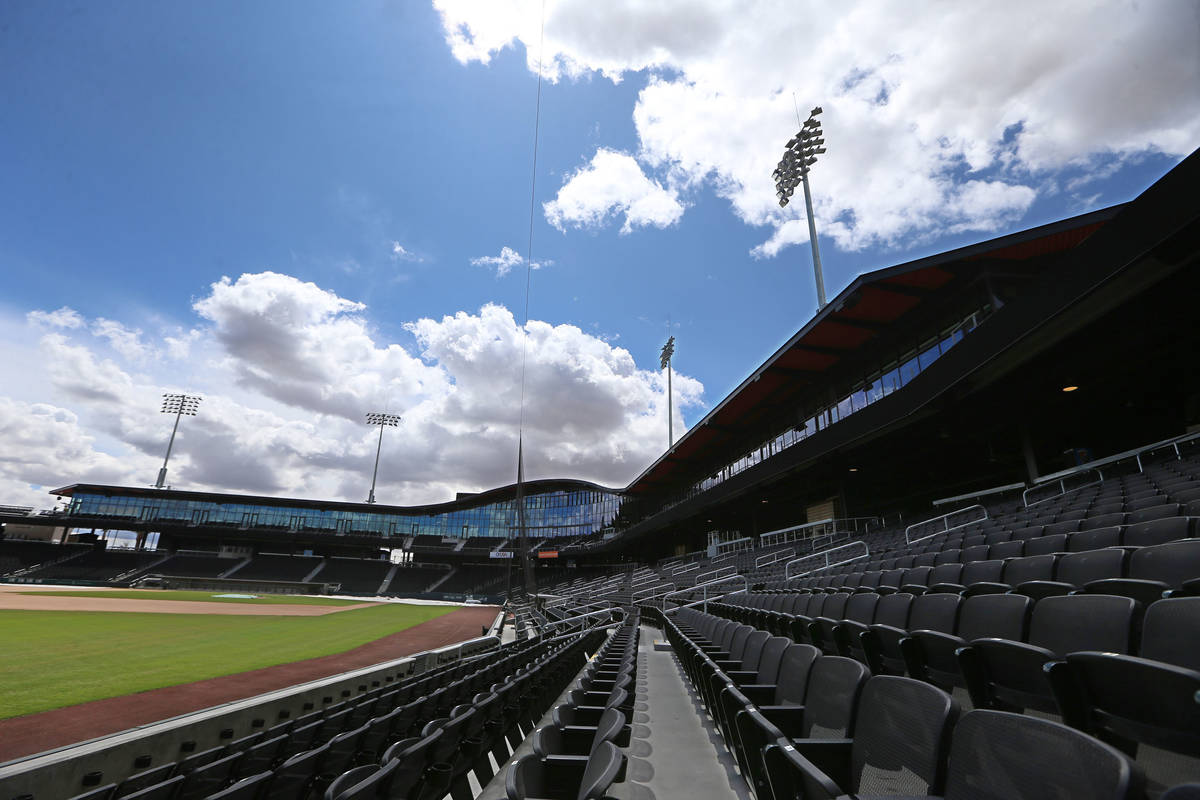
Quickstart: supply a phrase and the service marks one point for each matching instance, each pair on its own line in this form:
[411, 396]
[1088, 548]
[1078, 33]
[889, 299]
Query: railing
[829, 539]
[1135, 453]
[1065, 485]
[942, 524]
[1061, 478]
[1009, 487]
[695, 565]
[827, 556]
[654, 593]
[704, 588]
[771, 558]
[798, 532]
[23, 511]
[720, 572]
[579, 618]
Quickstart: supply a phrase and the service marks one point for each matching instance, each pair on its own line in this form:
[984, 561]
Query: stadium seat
[532, 778]
[251, 787]
[881, 643]
[1007, 675]
[900, 734]
[931, 655]
[1155, 570]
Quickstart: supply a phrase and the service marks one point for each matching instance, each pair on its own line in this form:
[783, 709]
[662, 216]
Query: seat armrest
[831, 756]
[793, 775]
[737, 676]
[789, 719]
[758, 693]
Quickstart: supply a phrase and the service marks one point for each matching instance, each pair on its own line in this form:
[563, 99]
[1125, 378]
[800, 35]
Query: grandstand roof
[470, 501]
[854, 321]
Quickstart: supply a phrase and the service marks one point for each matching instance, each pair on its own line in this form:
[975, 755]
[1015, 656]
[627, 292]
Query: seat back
[934, 612]
[1172, 563]
[794, 669]
[997, 755]
[834, 684]
[1067, 624]
[892, 609]
[1029, 568]
[771, 659]
[1093, 565]
[1171, 630]
[900, 737]
[999, 616]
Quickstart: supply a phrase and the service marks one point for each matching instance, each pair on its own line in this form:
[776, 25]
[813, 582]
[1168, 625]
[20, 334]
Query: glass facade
[570, 512]
[889, 378]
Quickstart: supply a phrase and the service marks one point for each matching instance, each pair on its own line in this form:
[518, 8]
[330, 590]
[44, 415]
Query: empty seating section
[438, 733]
[190, 564]
[1049, 650]
[274, 567]
[475, 579]
[415, 579]
[432, 544]
[19, 554]
[97, 565]
[356, 576]
[480, 544]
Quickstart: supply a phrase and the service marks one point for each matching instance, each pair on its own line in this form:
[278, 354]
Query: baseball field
[65, 647]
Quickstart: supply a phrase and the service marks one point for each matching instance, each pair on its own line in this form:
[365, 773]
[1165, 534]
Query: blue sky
[350, 168]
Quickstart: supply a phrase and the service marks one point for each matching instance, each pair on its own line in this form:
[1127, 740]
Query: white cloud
[62, 318]
[612, 183]
[125, 341]
[506, 261]
[287, 371]
[402, 253]
[939, 118]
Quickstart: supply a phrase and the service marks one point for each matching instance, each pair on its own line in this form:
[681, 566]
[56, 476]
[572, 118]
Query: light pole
[383, 421]
[177, 404]
[664, 360]
[799, 154]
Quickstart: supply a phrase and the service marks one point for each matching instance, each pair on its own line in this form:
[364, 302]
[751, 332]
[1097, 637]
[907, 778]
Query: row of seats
[302, 757]
[1095, 659]
[1140, 572]
[840, 731]
[576, 755]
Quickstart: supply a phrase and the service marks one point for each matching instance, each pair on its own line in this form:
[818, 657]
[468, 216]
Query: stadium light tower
[665, 362]
[177, 404]
[383, 421]
[799, 154]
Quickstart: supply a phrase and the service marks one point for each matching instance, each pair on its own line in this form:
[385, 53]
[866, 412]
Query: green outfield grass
[50, 659]
[207, 597]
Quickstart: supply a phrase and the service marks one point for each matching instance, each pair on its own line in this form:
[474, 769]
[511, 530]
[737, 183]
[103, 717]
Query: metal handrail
[724, 548]
[1008, 487]
[1136, 453]
[551, 624]
[695, 565]
[713, 572]
[778, 555]
[945, 518]
[1061, 485]
[745, 589]
[828, 539]
[633, 597]
[781, 531]
[787, 568]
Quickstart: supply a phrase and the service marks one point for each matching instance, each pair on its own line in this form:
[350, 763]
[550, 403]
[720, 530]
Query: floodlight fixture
[383, 421]
[664, 361]
[799, 154]
[177, 404]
